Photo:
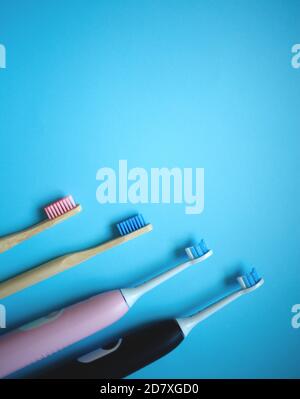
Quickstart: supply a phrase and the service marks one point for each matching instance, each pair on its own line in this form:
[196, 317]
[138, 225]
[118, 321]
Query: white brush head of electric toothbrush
[199, 252]
[250, 281]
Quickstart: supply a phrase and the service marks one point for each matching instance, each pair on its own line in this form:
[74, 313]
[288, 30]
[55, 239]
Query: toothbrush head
[199, 252]
[61, 207]
[250, 281]
[133, 224]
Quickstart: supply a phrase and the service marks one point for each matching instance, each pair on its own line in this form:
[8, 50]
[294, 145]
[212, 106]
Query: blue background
[160, 83]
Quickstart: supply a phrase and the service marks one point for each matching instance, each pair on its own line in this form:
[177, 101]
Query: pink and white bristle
[60, 207]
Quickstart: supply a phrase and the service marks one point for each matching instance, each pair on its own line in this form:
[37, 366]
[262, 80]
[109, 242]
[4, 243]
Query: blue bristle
[251, 280]
[203, 246]
[194, 252]
[255, 275]
[130, 225]
[247, 283]
[138, 223]
[198, 251]
[125, 228]
[142, 220]
[119, 227]
[135, 225]
[201, 249]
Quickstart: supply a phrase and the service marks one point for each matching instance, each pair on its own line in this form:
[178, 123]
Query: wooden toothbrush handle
[61, 264]
[36, 275]
[11, 240]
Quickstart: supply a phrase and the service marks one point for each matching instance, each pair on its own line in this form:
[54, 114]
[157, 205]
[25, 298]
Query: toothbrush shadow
[180, 250]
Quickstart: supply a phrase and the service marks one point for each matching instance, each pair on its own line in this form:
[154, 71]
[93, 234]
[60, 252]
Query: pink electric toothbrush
[60, 329]
[56, 212]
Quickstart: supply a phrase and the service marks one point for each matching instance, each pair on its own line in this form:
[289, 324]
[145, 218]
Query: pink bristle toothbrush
[50, 334]
[56, 212]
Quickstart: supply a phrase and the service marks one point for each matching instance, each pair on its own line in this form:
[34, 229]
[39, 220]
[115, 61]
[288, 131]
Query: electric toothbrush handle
[58, 330]
[123, 356]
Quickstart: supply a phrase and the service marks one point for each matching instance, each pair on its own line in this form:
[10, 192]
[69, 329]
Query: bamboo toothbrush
[142, 346]
[128, 229]
[50, 334]
[56, 213]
